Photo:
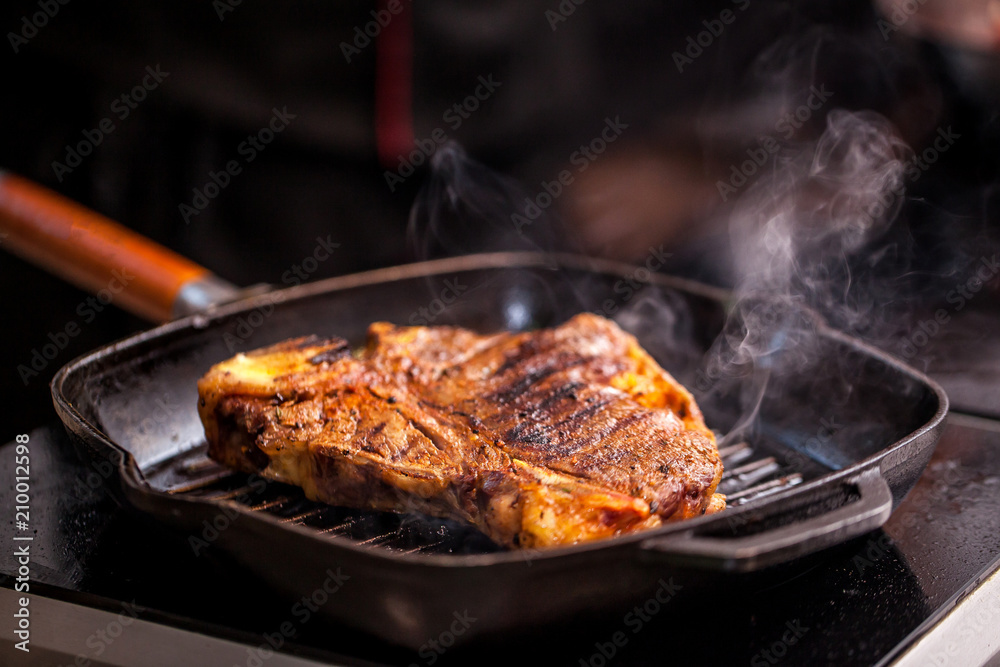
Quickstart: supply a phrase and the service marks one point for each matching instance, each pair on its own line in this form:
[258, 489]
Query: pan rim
[130, 473]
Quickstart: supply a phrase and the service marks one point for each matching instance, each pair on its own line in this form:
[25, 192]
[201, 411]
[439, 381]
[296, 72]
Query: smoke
[663, 321]
[809, 231]
[466, 207]
[808, 238]
[799, 235]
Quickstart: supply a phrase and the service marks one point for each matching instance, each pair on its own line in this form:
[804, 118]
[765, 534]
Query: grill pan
[842, 435]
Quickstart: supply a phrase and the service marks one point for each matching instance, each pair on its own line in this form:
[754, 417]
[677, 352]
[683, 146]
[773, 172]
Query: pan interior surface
[818, 412]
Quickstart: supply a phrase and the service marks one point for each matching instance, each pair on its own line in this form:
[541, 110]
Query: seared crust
[544, 438]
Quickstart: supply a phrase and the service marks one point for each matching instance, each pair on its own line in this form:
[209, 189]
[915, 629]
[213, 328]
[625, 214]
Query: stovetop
[861, 603]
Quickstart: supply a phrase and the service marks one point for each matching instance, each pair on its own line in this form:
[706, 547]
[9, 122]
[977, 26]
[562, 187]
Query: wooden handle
[91, 251]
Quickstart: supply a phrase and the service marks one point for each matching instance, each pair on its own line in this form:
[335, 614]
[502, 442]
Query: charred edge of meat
[537, 439]
[338, 351]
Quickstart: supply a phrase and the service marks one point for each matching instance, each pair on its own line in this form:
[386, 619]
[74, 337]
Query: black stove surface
[860, 603]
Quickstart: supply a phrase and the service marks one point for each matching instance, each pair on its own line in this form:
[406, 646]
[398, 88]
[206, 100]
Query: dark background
[322, 176]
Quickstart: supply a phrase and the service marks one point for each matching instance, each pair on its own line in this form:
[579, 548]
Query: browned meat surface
[544, 438]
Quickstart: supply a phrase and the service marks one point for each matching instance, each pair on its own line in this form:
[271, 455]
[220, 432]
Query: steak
[544, 438]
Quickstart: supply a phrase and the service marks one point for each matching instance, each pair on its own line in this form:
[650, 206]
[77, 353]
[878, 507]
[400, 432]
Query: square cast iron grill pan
[842, 435]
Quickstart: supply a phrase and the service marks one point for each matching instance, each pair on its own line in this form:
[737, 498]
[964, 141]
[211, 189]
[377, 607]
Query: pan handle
[757, 549]
[101, 256]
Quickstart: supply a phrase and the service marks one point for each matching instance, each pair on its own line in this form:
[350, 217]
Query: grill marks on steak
[542, 438]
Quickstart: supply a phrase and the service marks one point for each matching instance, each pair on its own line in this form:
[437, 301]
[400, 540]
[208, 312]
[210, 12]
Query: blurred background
[620, 130]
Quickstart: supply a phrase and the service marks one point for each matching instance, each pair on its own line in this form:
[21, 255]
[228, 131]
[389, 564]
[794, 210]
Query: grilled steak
[544, 438]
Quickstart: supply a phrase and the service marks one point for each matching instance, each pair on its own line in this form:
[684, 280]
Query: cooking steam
[799, 234]
[808, 236]
[466, 207]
